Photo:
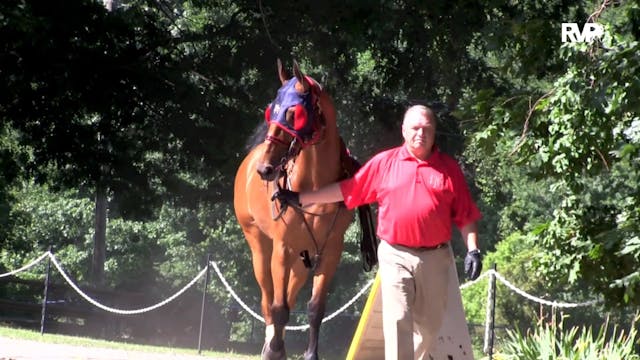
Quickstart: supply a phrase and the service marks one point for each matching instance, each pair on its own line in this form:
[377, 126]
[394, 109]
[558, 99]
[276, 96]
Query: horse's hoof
[269, 354]
[311, 356]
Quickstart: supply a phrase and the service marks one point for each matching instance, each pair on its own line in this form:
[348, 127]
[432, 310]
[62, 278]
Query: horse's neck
[320, 164]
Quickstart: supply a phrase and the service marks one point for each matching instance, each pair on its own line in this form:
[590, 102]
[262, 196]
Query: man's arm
[473, 260]
[470, 235]
[327, 194]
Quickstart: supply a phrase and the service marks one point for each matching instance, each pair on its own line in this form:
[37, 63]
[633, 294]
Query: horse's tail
[369, 241]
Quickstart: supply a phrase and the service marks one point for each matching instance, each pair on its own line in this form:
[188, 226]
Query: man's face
[419, 132]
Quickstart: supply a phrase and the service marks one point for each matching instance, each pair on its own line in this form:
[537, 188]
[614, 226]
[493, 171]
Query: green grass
[16, 333]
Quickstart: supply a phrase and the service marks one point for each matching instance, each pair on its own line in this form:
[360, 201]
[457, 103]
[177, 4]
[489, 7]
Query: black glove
[286, 197]
[473, 264]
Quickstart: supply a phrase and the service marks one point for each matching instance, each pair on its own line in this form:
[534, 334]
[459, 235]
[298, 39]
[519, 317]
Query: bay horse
[302, 151]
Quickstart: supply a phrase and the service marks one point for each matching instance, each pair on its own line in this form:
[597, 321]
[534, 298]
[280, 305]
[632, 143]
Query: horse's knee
[280, 314]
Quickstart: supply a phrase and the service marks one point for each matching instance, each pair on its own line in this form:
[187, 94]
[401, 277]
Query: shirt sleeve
[464, 209]
[362, 188]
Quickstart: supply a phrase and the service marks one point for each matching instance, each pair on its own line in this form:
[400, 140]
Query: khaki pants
[414, 287]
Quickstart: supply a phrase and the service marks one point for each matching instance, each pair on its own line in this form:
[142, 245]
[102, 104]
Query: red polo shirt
[417, 200]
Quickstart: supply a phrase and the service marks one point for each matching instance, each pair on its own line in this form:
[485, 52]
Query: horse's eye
[291, 113]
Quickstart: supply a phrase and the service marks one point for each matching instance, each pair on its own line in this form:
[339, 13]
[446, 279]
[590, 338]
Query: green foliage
[550, 341]
[585, 151]
[562, 144]
[42, 219]
[132, 252]
[511, 258]
[124, 102]
[12, 157]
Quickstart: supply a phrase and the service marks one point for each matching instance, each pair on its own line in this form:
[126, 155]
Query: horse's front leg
[316, 306]
[315, 314]
[274, 345]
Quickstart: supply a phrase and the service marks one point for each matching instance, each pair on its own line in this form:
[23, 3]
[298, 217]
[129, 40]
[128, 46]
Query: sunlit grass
[15, 333]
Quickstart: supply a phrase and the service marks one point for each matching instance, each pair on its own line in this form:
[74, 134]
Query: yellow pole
[364, 320]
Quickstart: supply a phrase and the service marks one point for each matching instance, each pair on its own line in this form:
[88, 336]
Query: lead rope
[292, 153]
[304, 255]
[276, 187]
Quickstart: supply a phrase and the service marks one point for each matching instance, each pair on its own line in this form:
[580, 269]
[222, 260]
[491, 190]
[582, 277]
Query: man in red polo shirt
[420, 192]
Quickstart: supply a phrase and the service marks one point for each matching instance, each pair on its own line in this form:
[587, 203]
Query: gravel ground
[18, 349]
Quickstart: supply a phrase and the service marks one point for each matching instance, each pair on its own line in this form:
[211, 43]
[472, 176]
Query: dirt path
[17, 349]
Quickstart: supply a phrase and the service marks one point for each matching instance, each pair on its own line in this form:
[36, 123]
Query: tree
[117, 109]
[573, 124]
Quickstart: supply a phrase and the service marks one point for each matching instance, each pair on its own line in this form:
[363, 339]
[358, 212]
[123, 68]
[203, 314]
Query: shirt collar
[406, 155]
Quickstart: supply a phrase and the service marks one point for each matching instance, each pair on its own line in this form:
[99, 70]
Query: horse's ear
[282, 73]
[300, 76]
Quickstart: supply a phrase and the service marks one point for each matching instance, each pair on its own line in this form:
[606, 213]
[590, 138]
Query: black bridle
[281, 173]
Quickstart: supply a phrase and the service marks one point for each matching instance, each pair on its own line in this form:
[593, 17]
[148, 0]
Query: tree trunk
[99, 237]
[100, 213]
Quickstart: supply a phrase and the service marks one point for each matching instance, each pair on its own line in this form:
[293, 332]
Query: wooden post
[491, 314]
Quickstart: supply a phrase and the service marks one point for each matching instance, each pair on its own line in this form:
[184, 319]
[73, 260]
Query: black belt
[425, 248]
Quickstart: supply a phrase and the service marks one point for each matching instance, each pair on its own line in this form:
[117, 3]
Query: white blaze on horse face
[270, 331]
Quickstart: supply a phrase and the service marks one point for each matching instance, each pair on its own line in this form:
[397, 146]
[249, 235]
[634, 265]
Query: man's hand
[286, 197]
[473, 264]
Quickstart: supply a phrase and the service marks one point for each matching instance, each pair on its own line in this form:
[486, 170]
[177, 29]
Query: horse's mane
[257, 137]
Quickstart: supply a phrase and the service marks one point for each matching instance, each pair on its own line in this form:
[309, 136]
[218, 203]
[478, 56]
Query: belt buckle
[436, 247]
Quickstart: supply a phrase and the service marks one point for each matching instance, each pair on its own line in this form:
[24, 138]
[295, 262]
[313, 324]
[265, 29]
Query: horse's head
[293, 119]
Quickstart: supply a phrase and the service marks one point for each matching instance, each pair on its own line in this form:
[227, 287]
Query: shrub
[550, 341]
